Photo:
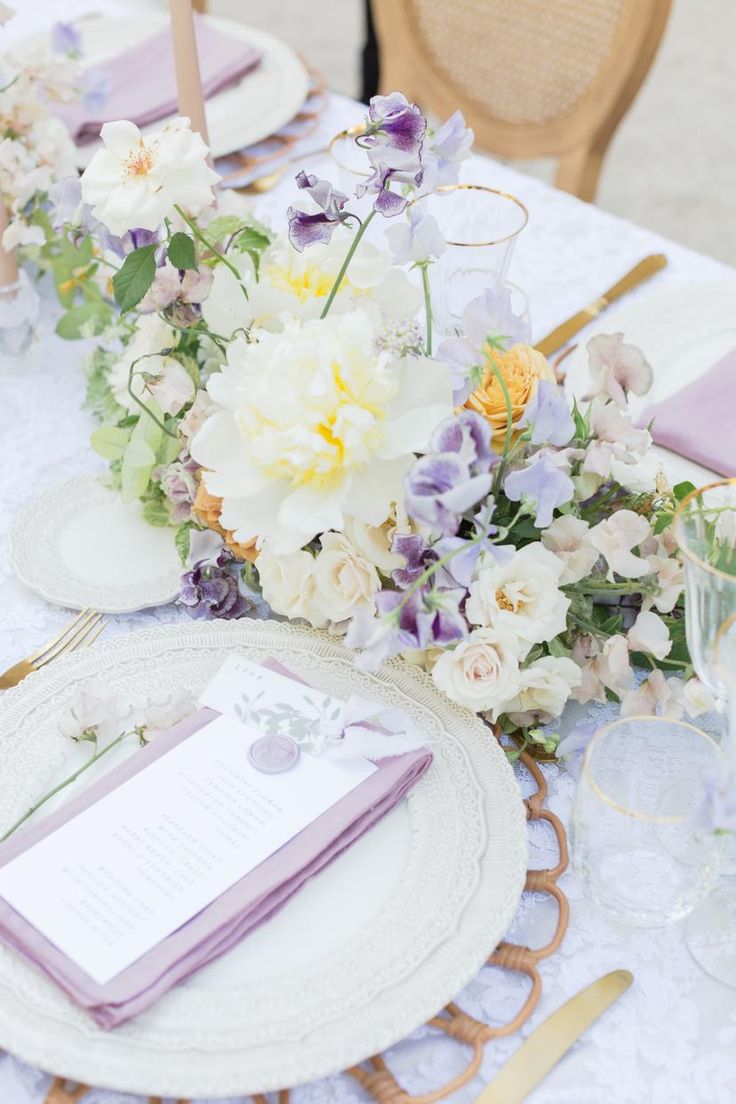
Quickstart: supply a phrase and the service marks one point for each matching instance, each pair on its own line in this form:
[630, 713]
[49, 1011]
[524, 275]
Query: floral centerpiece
[278, 397]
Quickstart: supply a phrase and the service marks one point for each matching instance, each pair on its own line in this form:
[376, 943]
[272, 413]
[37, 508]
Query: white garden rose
[544, 688]
[343, 579]
[521, 597]
[287, 582]
[135, 182]
[374, 541]
[315, 425]
[297, 285]
[481, 673]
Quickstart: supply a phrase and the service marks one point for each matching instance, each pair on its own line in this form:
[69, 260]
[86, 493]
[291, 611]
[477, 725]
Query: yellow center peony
[522, 367]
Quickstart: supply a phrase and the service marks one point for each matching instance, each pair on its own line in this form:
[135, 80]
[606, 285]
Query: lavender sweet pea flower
[377, 638]
[414, 550]
[97, 86]
[210, 590]
[549, 416]
[426, 618]
[443, 154]
[66, 39]
[388, 203]
[395, 123]
[490, 318]
[462, 358]
[439, 489]
[418, 240]
[717, 810]
[543, 486]
[305, 228]
[468, 434]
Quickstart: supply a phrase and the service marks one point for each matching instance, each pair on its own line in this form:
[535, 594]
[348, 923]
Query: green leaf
[86, 320]
[110, 441]
[131, 282]
[223, 227]
[140, 455]
[252, 241]
[663, 520]
[181, 540]
[582, 428]
[682, 489]
[181, 251]
[169, 449]
[156, 507]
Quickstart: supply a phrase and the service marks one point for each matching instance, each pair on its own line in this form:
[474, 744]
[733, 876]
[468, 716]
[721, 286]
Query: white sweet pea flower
[417, 239]
[135, 182]
[544, 688]
[657, 695]
[313, 426]
[567, 537]
[697, 698]
[521, 596]
[671, 579]
[172, 385]
[91, 706]
[606, 667]
[617, 369]
[615, 537]
[481, 673]
[649, 634]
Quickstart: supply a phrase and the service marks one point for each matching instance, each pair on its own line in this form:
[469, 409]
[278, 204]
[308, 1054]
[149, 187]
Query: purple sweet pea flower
[396, 124]
[439, 489]
[542, 485]
[211, 590]
[66, 39]
[549, 415]
[490, 319]
[443, 154]
[424, 618]
[461, 357]
[716, 812]
[305, 228]
[468, 434]
[418, 240]
[376, 637]
[572, 747]
[415, 551]
[97, 84]
[388, 203]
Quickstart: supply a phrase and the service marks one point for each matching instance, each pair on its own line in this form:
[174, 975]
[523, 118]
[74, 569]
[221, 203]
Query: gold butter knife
[638, 274]
[552, 1039]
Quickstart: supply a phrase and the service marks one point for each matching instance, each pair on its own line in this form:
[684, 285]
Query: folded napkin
[234, 914]
[698, 421]
[142, 81]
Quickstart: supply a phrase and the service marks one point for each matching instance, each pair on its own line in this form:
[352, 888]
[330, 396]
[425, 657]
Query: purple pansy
[305, 228]
[542, 485]
[549, 416]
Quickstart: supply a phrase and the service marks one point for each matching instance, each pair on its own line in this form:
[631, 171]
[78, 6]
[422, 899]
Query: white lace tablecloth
[672, 1037]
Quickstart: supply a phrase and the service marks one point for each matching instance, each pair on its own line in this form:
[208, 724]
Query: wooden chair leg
[578, 171]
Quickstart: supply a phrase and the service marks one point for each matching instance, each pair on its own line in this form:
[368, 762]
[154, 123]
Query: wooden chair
[534, 78]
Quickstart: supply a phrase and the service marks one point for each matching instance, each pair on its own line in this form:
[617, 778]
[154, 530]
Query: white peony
[288, 585]
[314, 425]
[544, 688]
[521, 596]
[136, 182]
[481, 673]
[297, 284]
[170, 384]
[343, 579]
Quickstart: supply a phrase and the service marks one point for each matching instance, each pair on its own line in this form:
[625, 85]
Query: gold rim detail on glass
[349, 132]
[490, 191]
[677, 523]
[646, 818]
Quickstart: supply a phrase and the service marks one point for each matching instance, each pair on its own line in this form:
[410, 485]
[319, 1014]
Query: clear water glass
[705, 528]
[480, 225]
[637, 846]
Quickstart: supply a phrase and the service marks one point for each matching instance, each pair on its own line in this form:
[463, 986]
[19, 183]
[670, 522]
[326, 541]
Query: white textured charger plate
[682, 333]
[367, 951]
[80, 546]
[267, 97]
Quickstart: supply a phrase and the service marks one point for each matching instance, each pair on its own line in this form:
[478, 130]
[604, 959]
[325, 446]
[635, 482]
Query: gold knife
[638, 274]
[552, 1039]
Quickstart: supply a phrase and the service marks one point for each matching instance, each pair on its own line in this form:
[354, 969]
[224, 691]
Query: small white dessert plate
[79, 545]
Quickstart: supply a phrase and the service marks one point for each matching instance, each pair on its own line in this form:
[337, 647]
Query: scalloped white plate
[682, 333]
[267, 97]
[367, 951]
[80, 546]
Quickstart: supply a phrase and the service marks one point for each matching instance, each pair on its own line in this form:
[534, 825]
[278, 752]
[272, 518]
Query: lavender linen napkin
[143, 80]
[698, 421]
[234, 914]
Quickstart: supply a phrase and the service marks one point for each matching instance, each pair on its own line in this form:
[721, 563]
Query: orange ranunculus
[522, 367]
[207, 511]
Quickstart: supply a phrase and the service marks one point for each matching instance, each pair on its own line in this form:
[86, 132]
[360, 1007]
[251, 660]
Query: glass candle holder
[637, 846]
[705, 528]
[480, 225]
[19, 314]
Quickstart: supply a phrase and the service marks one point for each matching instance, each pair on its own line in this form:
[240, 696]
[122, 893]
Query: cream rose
[287, 582]
[343, 579]
[482, 673]
[521, 597]
[544, 689]
[522, 367]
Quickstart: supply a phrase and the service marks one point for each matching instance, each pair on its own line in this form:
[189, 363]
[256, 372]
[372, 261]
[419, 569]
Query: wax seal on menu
[273, 754]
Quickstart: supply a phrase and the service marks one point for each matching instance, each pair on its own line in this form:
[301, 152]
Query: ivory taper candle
[188, 80]
[8, 259]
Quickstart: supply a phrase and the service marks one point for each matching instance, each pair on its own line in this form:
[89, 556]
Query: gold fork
[79, 633]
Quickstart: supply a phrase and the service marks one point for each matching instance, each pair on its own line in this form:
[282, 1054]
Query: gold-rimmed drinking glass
[705, 529]
[481, 225]
[637, 846]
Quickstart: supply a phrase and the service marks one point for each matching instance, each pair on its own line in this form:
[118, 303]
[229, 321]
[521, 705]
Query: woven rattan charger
[374, 1074]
